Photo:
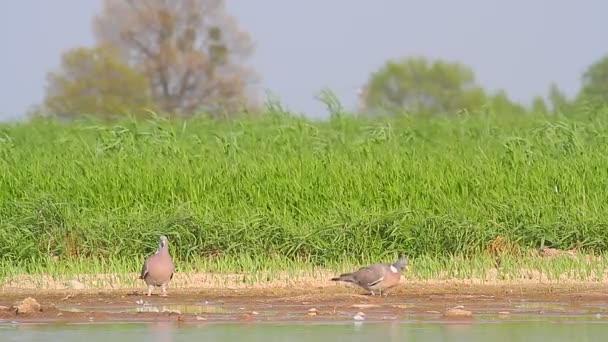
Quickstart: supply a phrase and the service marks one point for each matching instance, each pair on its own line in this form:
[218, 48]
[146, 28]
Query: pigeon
[376, 278]
[158, 268]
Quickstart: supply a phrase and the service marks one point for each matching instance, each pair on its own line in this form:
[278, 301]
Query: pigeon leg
[150, 288]
[164, 290]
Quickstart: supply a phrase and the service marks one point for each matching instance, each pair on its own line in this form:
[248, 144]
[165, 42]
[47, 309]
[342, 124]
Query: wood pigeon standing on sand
[158, 268]
[376, 278]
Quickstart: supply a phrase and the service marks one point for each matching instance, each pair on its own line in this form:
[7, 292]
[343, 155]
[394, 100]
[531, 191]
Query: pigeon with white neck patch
[376, 278]
[158, 268]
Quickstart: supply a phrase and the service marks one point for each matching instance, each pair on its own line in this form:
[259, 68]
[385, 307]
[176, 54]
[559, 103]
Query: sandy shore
[306, 300]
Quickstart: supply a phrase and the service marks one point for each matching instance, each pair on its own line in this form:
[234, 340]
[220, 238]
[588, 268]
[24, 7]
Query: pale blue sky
[303, 46]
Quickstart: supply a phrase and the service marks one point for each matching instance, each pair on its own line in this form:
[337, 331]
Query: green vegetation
[289, 190]
[87, 84]
[260, 270]
[173, 56]
[422, 86]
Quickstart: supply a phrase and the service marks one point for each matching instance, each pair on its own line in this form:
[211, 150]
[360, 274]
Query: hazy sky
[303, 46]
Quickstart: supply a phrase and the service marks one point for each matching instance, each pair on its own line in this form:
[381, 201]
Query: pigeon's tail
[346, 277]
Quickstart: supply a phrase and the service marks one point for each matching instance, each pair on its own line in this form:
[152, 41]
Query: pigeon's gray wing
[370, 275]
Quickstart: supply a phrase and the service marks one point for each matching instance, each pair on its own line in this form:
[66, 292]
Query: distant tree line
[417, 85]
[184, 57]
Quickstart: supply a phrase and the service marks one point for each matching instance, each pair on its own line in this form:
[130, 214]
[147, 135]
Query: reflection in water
[162, 331]
[184, 309]
[177, 308]
[461, 329]
[364, 331]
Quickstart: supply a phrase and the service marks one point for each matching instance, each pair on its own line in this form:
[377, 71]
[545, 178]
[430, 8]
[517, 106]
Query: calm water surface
[578, 331]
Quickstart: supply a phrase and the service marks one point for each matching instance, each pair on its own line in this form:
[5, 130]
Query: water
[549, 330]
[181, 308]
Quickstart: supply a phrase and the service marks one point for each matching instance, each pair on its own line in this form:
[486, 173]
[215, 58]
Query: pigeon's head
[401, 262]
[163, 242]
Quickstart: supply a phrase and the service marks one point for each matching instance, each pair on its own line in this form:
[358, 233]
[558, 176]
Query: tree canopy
[181, 57]
[558, 100]
[93, 81]
[191, 51]
[184, 57]
[422, 86]
[595, 83]
[539, 106]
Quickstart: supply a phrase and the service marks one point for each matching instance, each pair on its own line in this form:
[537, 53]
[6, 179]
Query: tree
[501, 104]
[558, 100]
[422, 86]
[94, 81]
[191, 51]
[595, 83]
[539, 106]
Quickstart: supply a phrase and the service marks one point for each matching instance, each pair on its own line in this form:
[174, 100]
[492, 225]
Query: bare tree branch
[191, 51]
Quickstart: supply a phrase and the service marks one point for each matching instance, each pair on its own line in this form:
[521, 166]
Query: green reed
[322, 193]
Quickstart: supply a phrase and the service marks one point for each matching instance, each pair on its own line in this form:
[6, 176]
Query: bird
[376, 278]
[158, 268]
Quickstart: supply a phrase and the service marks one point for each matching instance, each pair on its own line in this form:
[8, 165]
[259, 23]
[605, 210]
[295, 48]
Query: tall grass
[321, 192]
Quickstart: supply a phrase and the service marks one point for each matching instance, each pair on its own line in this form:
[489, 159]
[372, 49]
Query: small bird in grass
[376, 278]
[158, 268]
